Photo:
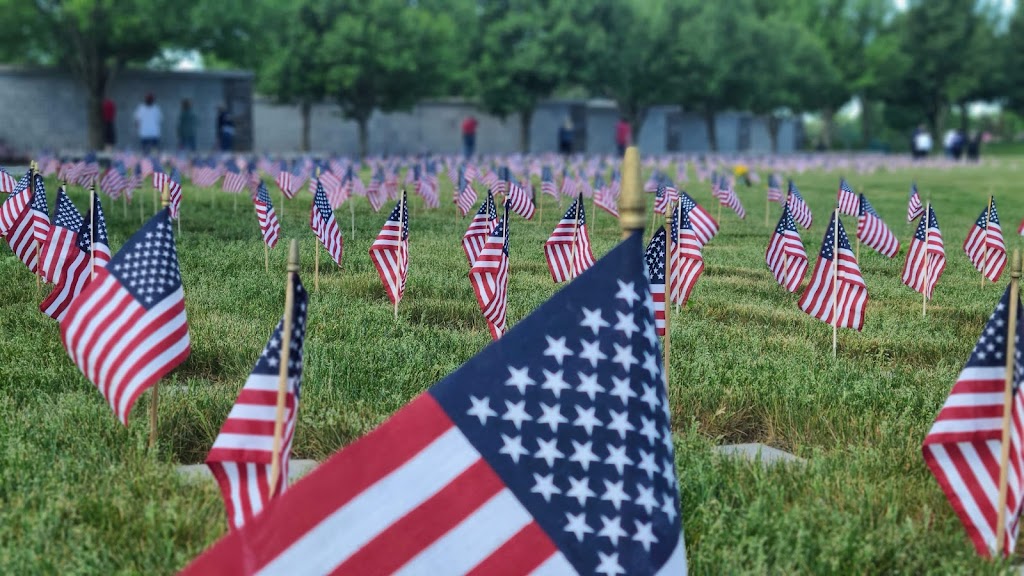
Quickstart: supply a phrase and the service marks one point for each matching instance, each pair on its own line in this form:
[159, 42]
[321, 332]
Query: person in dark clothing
[469, 136]
[225, 129]
[565, 136]
[109, 131]
[974, 147]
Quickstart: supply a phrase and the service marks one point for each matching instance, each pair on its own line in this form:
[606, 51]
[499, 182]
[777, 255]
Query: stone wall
[41, 108]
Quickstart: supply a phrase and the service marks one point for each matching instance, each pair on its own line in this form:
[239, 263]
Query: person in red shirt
[469, 136]
[109, 112]
[623, 133]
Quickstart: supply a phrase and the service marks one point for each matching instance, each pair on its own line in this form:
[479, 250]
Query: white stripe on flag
[676, 564]
[473, 540]
[364, 517]
[556, 565]
[262, 442]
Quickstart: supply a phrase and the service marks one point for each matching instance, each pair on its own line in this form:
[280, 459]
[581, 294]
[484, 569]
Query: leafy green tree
[1013, 62]
[384, 55]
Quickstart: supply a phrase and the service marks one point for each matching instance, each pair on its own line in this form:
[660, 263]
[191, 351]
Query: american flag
[836, 286]
[984, 244]
[173, 182]
[847, 199]
[703, 224]
[7, 182]
[288, 182]
[267, 217]
[29, 232]
[727, 197]
[569, 184]
[519, 201]
[489, 278]
[547, 182]
[686, 267]
[61, 238]
[321, 220]
[88, 169]
[377, 193]
[336, 193]
[567, 250]
[465, 195]
[550, 452]
[655, 257]
[71, 270]
[963, 447]
[128, 329]
[92, 238]
[112, 182]
[914, 208]
[926, 258]
[774, 188]
[604, 197]
[873, 232]
[242, 455]
[234, 179]
[15, 204]
[390, 251]
[786, 257]
[797, 207]
[504, 178]
[479, 229]
[665, 196]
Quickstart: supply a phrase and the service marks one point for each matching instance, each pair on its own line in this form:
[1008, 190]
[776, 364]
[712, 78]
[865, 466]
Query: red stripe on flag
[522, 554]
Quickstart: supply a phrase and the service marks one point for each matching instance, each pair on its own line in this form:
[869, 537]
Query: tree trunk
[94, 111]
[306, 109]
[709, 124]
[828, 123]
[773, 132]
[525, 118]
[364, 136]
[965, 121]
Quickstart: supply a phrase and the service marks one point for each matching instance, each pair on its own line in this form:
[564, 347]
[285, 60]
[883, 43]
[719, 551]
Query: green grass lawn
[80, 493]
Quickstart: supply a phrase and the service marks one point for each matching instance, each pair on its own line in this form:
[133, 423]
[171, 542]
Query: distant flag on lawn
[984, 244]
[479, 229]
[519, 201]
[655, 257]
[390, 251]
[7, 182]
[489, 278]
[465, 195]
[964, 445]
[666, 195]
[173, 182]
[567, 250]
[786, 257]
[234, 179]
[112, 183]
[61, 239]
[926, 258]
[288, 182]
[797, 207]
[92, 239]
[836, 285]
[686, 267]
[242, 454]
[267, 217]
[774, 188]
[914, 208]
[872, 231]
[29, 232]
[128, 329]
[605, 198]
[321, 220]
[15, 204]
[547, 182]
[504, 466]
[847, 199]
[704, 226]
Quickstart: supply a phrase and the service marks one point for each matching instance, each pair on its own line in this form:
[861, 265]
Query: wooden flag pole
[124, 202]
[92, 232]
[155, 399]
[266, 257]
[282, 371]
[984, 253]
[924, 291]
[669, 214]
[33, 170]
[575, 235]
[316, 249]
[1004, 457]
[677, 216]
[401, 230]
[835, 283]
[631, 200]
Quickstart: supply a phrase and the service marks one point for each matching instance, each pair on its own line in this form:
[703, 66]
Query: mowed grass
[80, 493]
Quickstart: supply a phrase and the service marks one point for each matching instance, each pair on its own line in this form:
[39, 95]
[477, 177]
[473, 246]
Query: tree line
[923, 62]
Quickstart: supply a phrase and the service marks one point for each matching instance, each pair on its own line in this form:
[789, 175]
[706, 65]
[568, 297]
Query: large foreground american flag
[242, 454]
[128, 327]
[963, 447]
[550, 452]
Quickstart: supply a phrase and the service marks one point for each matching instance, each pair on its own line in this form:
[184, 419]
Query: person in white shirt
[148, 119]
[922, 142]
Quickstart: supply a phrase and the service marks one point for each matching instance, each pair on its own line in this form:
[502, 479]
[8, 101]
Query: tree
[96, 39]
[1013, 63]
[386, 55]
[519, 61]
